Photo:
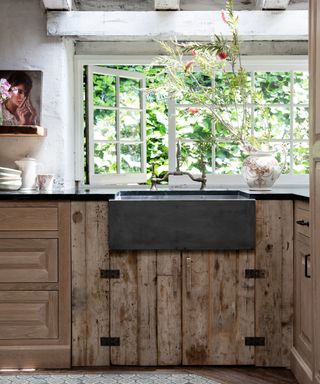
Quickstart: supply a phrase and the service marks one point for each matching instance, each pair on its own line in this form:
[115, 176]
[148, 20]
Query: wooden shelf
[23, 130]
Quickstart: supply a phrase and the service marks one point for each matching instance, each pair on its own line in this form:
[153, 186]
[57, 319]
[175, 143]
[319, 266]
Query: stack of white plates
[10, 179]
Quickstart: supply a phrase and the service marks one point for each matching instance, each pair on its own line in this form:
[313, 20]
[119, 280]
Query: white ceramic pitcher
[28, 166]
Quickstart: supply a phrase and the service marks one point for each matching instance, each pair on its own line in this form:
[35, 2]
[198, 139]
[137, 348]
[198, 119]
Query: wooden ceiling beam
[57, 5]
[272, 4]
[166, 5]
[159, 25]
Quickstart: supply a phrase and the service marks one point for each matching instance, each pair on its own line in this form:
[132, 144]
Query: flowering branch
[228, 102]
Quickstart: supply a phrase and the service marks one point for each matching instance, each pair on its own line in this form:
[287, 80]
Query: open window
[115, 121]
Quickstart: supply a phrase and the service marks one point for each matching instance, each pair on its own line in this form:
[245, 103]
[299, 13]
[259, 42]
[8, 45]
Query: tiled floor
[107, 378]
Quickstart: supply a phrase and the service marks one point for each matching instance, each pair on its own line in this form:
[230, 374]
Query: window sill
[236, 181]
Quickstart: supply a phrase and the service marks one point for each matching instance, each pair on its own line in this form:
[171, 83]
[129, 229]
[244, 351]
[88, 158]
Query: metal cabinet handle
[302, 222]
[188, 277]
[306, 257]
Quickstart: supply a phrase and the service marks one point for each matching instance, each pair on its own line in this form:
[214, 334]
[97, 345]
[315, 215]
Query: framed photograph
[20, 97]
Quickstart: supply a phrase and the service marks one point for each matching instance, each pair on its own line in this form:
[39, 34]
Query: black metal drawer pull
[302, 222]
[306, 257]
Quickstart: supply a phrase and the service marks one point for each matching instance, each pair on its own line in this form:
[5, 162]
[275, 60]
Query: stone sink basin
[181, 220]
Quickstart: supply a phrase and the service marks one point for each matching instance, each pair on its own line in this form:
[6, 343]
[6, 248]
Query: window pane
[130, 125]
[129, 93]
[301, 88]
[273, 123]
[229, 158]
[130, 158]
[193, 126]
[301, 157]
[104, 124]
[301, 123]
[104, 90]
[191, 157]
[105, 159]
[275, 86]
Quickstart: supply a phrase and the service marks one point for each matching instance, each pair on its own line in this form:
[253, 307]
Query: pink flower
[194, 53]
[193, 110]
[188, 65]
[223, 17]
[4, 90]
[4, 84]
[222, 55]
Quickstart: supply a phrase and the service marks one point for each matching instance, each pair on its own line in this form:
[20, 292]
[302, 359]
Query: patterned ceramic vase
[260, 170]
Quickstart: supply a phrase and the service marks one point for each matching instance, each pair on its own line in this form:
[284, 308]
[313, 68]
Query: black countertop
[110, 193]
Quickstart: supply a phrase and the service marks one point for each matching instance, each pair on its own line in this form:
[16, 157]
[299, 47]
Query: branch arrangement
[211, 77]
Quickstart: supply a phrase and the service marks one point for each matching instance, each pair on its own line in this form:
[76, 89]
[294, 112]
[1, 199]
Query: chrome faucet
[202, 179]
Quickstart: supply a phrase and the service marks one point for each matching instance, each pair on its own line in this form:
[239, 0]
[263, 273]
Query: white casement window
[116, 152]
[115, 125]
[287, 104]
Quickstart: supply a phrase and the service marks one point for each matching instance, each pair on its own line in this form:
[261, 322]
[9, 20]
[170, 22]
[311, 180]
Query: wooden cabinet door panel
[28, 315]
[28, 260]
[133, 308]
[274, 292]
[218, 308]
[29, 219]
[303, 306]
[303, 301]
[169, 307]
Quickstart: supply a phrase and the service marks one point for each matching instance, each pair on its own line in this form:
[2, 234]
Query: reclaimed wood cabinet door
[274, 292]
[217, 308]
[133, 308]
[145, 308]
[165, 313]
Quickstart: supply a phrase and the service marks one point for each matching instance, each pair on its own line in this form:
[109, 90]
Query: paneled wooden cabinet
[172, 308]
[302, 351]
[34, 284]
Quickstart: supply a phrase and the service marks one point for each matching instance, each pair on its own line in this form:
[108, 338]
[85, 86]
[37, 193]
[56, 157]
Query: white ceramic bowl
[9, 172]
[10, 185]
[10, 178]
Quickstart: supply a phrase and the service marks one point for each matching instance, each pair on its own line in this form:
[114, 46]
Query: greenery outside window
[285, 90]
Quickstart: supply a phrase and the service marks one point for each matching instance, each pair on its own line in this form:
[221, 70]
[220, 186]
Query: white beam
[158, 25]
[166, 5]
[272, 4]
[58, 5]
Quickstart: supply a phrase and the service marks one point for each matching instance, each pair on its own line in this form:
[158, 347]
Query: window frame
[137, 177]
[250, 63]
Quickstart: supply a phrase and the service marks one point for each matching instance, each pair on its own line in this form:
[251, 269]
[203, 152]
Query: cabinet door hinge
[254, 341]
[254, 273]
[110, 341]
[110, 273]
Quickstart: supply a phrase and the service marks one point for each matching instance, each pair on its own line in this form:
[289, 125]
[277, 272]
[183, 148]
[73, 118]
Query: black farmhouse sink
[181, 220]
